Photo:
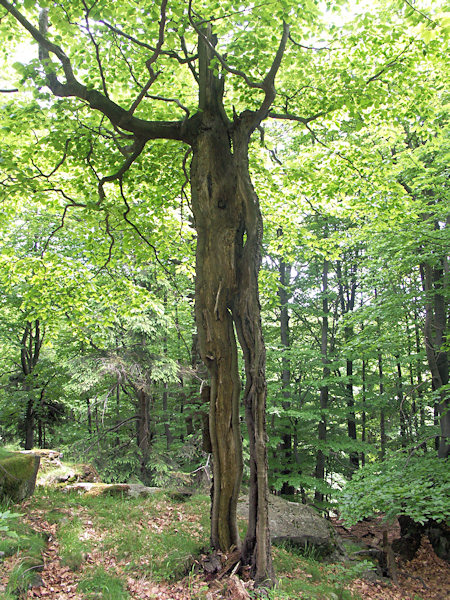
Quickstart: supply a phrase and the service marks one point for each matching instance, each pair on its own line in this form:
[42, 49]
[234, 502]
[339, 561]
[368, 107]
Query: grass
[72, 547]
[101, 585]
[159, 538]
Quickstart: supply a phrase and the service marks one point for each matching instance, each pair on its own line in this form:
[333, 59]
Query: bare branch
[389, 64]
[9, 91]
[110, 249]
[139, 233]
[355, 168]
[420, 12]
[58, 165]
[308, 47]
[60, 226]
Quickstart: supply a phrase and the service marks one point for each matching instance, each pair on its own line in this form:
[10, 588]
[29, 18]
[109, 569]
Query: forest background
[100, 353]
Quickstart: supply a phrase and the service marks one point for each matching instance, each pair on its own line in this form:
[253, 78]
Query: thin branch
[335, 152]
[420, 12]
[97, 48]
[110, 249]
[60, 226]
[389, 64]
[169, 53]
[58, 165]
[151, 60]
[175, 100]
[9, 91]
[138, 147]
[136, 228]
[307, 47]
[290, 117]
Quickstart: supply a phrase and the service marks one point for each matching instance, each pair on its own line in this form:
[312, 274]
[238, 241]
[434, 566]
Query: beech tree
[198, 76]
[225, 209]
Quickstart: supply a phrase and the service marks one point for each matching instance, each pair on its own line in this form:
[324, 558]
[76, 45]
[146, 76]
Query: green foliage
[5, 521]
[417, 485]
[18, 539]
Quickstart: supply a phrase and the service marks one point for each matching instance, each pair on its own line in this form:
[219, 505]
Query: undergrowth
[18, 540]
[156, 538]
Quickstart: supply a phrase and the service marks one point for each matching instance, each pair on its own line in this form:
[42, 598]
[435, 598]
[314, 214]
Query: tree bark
[229, 235]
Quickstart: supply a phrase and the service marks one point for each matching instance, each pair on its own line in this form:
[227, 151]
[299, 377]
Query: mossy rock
[18, 471]
[112, 489]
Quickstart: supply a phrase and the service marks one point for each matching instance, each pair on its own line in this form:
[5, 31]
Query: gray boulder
[18, 471]
[297, 524]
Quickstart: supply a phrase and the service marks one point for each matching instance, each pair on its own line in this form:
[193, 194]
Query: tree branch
[152, 59]
[118, 116]
[223, 63]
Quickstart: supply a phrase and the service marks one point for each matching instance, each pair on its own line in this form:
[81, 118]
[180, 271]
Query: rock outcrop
[298, 524]
[18, 471]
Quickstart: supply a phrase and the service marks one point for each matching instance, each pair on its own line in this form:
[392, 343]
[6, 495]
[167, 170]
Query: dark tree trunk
[286, 445]
[363, 415]
[322, 428]
[29, 425]
[347, 294]
[31, 344]
[229, 235]
[143, 432]
[435, 345]
[401, 406]
[89, 415]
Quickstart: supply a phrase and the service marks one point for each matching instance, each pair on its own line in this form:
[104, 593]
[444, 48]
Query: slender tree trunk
[31, 344]
[322, 428]
[144, 434]
[29, 424]
[435, 345]
[382, 415]
[89, 415]
[347, 294]
[401, 405]
[363, 415]
[286, 445]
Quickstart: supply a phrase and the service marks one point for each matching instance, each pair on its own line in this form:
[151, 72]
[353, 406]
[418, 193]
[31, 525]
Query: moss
[102, 489]
[17, 475]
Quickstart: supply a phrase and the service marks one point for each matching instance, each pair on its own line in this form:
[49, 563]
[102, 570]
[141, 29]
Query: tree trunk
[229, 231]
[31, 344]
[29, 424]
[286, 445]
[435, 345]
[322, 429]
[347, 294]
[144, 434]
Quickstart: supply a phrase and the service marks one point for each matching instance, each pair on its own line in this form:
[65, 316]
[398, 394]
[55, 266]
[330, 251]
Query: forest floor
[114, 548]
